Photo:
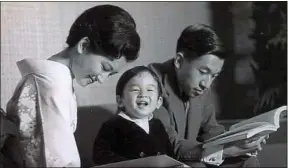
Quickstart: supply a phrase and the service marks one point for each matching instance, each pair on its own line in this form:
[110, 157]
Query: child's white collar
[143, 123]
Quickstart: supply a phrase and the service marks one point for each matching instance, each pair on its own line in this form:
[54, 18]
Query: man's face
[196, 76]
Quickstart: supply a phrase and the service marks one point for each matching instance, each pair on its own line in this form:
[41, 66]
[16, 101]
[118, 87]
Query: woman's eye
[106, 67]
[103, 68]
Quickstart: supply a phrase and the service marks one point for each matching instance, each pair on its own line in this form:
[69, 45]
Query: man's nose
[205, 83]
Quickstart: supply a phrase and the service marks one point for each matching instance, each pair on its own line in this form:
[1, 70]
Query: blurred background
[255, 34]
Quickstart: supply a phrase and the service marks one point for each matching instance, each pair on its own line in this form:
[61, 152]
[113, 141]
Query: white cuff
[213, 155]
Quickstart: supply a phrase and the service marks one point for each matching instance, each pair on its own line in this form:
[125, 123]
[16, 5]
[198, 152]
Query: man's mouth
[198, 92]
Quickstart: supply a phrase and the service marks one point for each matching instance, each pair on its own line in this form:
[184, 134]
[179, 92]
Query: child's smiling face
[140, 96]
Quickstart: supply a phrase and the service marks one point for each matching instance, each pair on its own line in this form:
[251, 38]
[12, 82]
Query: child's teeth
[142, 103]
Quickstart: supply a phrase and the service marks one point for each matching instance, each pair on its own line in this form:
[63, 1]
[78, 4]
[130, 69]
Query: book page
[260, 125]
[240, 129]
[151, 161]
[241, 135]
[271, 117]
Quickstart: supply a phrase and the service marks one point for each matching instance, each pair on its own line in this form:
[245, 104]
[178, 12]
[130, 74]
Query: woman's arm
[23, 110]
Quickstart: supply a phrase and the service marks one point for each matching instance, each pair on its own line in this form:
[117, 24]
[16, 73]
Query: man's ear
[178, 60]
[159, 102]
[119, 101]
[83, 45]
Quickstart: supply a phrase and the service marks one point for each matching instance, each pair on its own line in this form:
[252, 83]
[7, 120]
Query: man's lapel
[194, 117]
[175, 105]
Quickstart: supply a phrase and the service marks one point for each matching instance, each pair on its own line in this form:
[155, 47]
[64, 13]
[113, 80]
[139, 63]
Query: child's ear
[119, 101]
[159, 102]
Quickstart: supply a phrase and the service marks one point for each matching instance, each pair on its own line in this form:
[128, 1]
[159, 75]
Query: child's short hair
[129, 74]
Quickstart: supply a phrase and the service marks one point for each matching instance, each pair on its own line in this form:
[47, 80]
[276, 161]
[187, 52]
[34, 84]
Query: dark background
[247, 29]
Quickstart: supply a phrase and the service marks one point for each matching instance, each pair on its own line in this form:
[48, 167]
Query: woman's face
[89, 68]
[140, 96]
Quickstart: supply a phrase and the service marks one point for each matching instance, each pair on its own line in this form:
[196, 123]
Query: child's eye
[134, 89]
[151, 90]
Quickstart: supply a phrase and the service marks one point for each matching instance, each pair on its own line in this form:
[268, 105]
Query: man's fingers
[259, 147]
[252, 139]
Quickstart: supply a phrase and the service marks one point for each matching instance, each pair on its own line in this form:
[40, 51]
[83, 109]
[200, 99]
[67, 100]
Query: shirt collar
[172, 81]
[122, 114]
[142, 123]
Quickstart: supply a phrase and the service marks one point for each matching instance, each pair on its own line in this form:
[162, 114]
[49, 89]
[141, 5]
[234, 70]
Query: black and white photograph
[95, 84]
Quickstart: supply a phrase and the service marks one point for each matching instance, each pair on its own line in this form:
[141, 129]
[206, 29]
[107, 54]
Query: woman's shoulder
[46, 86]
[47, 74]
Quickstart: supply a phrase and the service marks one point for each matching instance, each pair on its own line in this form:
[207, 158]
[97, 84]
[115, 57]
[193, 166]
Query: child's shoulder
[156, 121]
[113, 121]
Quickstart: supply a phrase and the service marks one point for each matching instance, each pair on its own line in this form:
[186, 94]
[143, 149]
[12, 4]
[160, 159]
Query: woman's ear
[178, 60]
[83, 45]
[159, 102]
[119, 101]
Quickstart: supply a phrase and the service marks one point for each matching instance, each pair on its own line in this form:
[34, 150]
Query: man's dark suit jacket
[186, 131]
[120, 139]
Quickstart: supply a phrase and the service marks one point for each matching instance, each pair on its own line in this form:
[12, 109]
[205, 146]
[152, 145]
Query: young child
[133, 133]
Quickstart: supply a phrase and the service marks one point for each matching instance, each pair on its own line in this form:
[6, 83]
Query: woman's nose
[102, 78]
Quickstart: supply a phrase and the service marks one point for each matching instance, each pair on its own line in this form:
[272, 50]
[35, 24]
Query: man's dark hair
[129, 74]
[110, 29]
[198, 40]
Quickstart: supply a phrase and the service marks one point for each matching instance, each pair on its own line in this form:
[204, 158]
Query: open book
[151, 161]
[260, 125]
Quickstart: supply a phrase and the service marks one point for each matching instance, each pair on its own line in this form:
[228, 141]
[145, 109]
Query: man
[187, 114]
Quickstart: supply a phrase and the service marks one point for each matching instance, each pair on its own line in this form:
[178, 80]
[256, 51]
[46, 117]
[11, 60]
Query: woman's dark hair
[198, 40]
[110, 29]
[129, 74]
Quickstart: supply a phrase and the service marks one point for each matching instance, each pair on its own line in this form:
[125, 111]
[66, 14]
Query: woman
[100, 42]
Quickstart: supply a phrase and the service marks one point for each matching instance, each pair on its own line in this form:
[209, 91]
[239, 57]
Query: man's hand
[248, 147]
[253, 142]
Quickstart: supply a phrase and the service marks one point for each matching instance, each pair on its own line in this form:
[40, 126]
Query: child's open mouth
[142, 103]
